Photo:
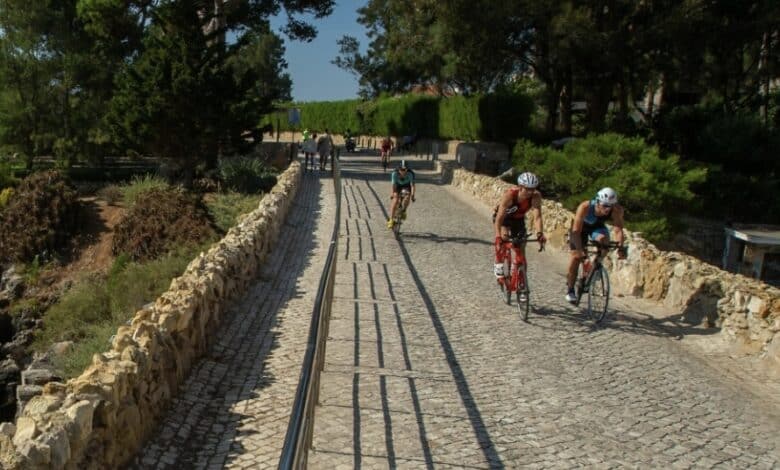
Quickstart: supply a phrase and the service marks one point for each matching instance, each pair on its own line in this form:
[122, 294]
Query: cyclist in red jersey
[509, 215]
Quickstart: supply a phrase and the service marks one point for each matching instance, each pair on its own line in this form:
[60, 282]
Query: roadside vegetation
[164, 228]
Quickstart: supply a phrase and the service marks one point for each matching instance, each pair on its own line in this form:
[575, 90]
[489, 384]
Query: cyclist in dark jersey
[509, 215]
[590, 223]
[401, 178]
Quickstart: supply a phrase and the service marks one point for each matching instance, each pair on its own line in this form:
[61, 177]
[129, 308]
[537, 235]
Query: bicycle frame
[595, 256]
[403, 202]
[515, 244]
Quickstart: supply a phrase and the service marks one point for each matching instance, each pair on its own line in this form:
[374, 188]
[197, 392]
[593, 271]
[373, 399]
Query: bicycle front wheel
[598, 294]
[523, 294]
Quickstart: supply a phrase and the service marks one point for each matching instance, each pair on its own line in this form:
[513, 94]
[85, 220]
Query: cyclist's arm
[617, 224]
[503, 205]
[536, 209]
[393, 183]
[414, 187]
[576, 226]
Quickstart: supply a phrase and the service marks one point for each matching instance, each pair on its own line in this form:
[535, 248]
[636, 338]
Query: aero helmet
[528, 179]
[607, 196]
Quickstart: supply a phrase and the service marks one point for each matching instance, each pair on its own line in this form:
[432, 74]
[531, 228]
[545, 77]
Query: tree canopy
[175, 79]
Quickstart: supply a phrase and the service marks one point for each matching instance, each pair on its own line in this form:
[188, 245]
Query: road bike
[400, 211]
[515, 278]
[593, 279]
[385, 156]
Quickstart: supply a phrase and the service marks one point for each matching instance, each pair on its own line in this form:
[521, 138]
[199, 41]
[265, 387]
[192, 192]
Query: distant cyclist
[590, 224]
[509, 215]
[386, 146]
[401, 178]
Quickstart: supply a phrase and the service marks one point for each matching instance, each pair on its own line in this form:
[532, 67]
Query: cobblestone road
[234, 409]
[426, 367]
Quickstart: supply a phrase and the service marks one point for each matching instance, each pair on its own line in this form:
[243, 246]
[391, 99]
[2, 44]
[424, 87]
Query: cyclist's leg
[393, 206]
[574, 265]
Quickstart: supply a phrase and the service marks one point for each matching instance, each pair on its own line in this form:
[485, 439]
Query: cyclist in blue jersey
[590, 223]
[401, 178]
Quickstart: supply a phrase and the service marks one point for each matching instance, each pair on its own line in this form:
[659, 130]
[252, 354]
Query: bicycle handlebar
[518, 240]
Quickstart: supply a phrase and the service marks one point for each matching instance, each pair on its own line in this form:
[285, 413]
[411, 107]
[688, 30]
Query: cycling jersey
[592, 226]
[518, 209]
[591, 220]
[397, 180]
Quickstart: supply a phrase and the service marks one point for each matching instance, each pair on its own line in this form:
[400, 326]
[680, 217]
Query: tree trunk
[566, 99]
[598, 105]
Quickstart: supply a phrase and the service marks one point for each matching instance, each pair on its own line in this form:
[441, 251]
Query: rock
[39, 377]
[60, 448]
[26, 430]
[25, 393]
[42, 404]
[758, 306]
[11, 284]
[8, 429]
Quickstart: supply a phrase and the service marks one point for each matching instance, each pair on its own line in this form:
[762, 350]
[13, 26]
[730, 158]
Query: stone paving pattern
[234, 409]
[426, 366]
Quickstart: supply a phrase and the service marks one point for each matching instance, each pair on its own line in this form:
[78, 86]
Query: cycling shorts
[516, 226]
[589, 234]
[397, 188]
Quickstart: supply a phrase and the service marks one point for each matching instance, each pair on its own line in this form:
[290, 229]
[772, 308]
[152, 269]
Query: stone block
[758, 306]
[38, 377]
[8, 429]
[26, 430]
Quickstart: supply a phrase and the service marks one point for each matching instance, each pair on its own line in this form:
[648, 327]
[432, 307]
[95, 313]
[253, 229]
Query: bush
[140, 185]
[226, 208]
[246, 175]
[39, 219]
[647, 183]
[112, 194]
[90, 313]
[159, 220]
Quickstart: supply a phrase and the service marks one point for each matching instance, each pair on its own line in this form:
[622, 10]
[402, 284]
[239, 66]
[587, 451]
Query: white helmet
[528, 179]
[607, 196]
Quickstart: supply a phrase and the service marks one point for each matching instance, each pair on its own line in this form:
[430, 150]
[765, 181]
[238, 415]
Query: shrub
[112, 194]
[246, 175]
[140, 185]
[647, 183]
[226, 208]
[95, 307]
[39, 219]
[159, 220]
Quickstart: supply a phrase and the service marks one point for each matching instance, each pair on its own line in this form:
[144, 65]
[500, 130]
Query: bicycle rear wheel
[396, 226]
[523, 294]
[598, 294]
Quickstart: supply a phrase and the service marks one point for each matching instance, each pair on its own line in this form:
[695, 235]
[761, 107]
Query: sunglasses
[606, 206]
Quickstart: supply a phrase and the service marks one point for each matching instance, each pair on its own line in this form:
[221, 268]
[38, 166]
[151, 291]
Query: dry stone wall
[745, 309]
[99, 419]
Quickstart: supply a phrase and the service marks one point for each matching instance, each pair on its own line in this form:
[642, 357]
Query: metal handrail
[299, 432]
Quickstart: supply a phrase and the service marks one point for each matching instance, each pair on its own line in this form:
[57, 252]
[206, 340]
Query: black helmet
[403, 165]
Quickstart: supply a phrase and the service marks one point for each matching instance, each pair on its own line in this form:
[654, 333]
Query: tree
[188, 95]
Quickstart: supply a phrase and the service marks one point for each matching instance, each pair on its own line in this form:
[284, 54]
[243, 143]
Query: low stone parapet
[745, 309]
[102, 417]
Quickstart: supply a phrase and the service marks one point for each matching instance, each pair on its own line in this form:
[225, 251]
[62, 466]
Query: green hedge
[502, 118]
[649, 184]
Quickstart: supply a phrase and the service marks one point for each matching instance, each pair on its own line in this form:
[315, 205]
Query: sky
[309, 64]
